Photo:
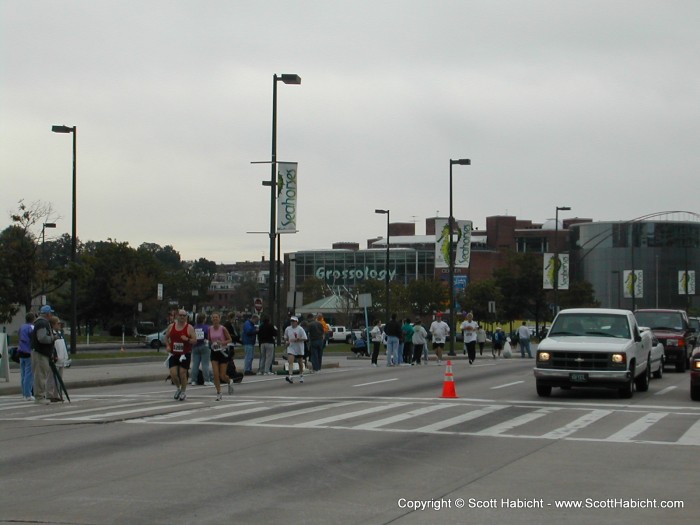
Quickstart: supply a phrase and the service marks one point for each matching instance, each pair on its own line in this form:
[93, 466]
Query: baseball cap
[46, 309]
[294, 318]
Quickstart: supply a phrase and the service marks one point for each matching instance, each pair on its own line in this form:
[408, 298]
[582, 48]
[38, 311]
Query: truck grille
[581, 360]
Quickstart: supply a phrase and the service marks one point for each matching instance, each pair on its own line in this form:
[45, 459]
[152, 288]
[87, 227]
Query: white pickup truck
[594, 347]
[341, 334]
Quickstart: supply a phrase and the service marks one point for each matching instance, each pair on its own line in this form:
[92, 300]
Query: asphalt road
[355, 445]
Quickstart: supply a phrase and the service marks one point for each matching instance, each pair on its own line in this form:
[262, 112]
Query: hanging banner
[633, 283]
[686, 279]
[464, 244]
[555, 266]
[442, 243]
[287, 197]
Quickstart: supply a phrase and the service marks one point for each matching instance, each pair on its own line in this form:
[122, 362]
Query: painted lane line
[507, 385]
[634, 429]
[577, 424]
[377, 382]
[691, 436]
[402, 417]
[665, 390]
[515, 422]
[299, 412]
[473, 414]
[349, 415]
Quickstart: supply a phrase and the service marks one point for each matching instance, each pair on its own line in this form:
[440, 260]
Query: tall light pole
[386, 264]
[74, 242]
[556, 256]
[43, 253]
[272, 284]
[451, 262]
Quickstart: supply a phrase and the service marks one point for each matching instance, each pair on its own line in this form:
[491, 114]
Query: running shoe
[177, 394]
[230, 387]
[289, 380]
[301, 379]
[183, 396]
[219, 396]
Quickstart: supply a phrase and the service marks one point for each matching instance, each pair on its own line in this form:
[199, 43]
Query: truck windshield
[660, 320]
[591, 324]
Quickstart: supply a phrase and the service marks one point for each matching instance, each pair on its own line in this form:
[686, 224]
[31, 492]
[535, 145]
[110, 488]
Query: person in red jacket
[179, 338]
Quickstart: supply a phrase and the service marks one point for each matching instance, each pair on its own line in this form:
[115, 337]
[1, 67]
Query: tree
[477, 296]
[426, 296]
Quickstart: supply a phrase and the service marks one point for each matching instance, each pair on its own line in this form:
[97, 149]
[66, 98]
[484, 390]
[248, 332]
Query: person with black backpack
[42, 346]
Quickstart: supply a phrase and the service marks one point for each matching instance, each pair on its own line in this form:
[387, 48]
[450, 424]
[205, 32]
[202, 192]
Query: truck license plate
[578, 378]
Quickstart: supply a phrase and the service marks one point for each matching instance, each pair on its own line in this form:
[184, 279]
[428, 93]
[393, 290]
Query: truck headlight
[544, 357]
[619, 359]
[695, 364]
[672, 342]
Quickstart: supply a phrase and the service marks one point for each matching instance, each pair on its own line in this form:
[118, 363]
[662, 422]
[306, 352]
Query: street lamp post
[451, 262]
[386, 264]
[556, 256]
[272, 283]
[74, 242]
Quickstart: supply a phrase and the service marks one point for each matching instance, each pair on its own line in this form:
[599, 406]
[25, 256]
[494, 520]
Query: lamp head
[461, 162]
[381, 211]
[62, 129]
[49, 225]
[289, 78]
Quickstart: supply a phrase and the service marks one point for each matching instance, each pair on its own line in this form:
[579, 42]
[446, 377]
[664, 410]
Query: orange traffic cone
[448, 386]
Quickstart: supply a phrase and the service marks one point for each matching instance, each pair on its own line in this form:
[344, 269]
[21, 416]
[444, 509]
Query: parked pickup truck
[594, 347]
[340, 334]
[674, 331]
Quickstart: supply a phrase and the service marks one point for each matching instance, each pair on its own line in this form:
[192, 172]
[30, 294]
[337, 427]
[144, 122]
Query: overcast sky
[589, 104]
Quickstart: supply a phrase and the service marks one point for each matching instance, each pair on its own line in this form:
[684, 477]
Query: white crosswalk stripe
[478, 418]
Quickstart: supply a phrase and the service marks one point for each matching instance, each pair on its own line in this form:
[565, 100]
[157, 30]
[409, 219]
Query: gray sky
[588, 104]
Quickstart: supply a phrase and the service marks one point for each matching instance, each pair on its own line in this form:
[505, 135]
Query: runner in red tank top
[179, 338]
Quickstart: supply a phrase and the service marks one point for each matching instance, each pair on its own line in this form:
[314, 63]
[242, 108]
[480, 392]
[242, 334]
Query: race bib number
[178, 347]
[199, 332]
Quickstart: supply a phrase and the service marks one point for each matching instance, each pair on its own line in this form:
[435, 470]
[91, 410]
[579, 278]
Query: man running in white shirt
[440, 330]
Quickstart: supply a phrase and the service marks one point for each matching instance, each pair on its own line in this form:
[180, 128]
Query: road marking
[401, 417]
[473, 414]
[377, 382]
[298, 412]
[506, 385]
[515, 422]
[349, 415]
[634, 429]
[691, 436]
[123, 412]
[577, 424]
[665, 390]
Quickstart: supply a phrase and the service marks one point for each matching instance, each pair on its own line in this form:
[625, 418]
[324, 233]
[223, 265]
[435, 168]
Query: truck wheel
[695, 392]
[642, 381]
[544, 390]
[626, 392]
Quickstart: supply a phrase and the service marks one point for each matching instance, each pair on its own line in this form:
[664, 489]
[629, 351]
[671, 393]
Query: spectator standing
[469, 328]
[221, 354]
[393, 336]
[42, 351]
[316, 337]
[267, 336]
[419, 339]
[376, 334]
[250, 332]
[53, 388]
[179, 338]
[294, 338]
[499, 338]
[524, 340]
[439, 329]
[25, 356]
[481, 339]
[407, 331]
[201, 353]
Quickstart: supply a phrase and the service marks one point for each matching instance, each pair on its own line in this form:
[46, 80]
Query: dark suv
[672, 328]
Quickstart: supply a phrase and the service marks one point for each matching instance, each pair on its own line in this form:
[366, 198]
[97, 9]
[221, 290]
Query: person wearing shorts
[179, 338]
[220, 339]
[439, 329]
[294, 338]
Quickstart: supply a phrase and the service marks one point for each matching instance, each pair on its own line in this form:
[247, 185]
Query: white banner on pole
[464, 244]
[688, 278]
[287, 197]
[555, 265]
[633, 283]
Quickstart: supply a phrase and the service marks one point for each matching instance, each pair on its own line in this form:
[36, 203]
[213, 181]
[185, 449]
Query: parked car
[341, 334]
[594, 347]
[155, 340]
[695, 376]
[673, 330]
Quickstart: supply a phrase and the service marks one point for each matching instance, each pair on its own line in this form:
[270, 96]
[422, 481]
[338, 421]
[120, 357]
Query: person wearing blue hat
[42, 346]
